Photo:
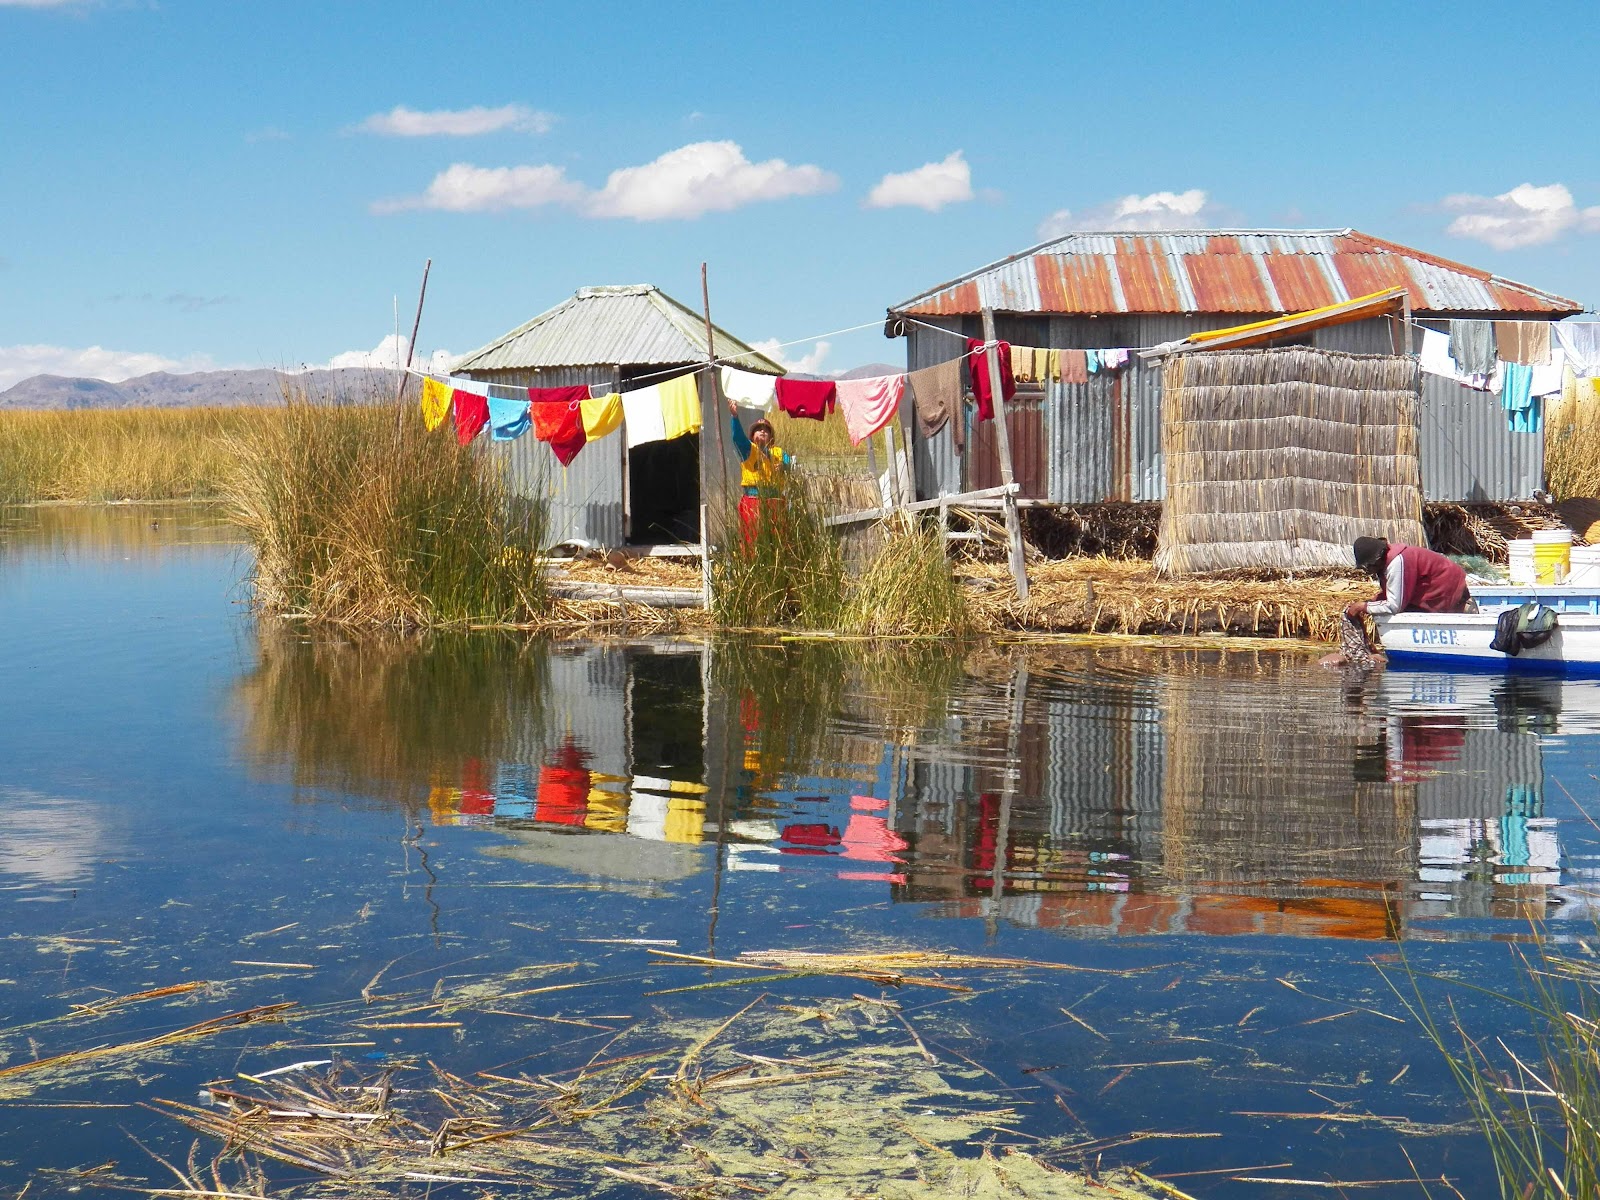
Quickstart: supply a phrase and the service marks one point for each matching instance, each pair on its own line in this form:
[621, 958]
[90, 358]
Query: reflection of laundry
[444, 805]
[810, 837]
[514, 788]
[663, 819]
[869, 839]
[564, 783]
[477, 798]
[563, 796]
[673, 787]
[607, 811]
[868, 804]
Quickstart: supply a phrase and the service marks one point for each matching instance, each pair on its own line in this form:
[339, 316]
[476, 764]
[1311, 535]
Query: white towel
[1581, 342]
[642, 419]
[749, 389]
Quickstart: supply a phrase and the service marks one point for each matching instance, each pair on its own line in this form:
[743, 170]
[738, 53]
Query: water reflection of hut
[541, 745]
[1274, 812]
[616, 338]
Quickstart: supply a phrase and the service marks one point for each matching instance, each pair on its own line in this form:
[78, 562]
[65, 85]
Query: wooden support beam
[1019, 563]
[956, 501]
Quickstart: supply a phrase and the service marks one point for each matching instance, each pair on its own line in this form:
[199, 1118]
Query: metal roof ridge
[1040, 247]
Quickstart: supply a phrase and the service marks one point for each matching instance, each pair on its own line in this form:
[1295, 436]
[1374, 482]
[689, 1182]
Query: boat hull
[1461, 642]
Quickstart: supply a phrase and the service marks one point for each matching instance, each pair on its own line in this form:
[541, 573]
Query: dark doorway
[664, 492]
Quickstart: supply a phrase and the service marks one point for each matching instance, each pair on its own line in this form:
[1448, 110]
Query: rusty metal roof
[635, 324]
[1225, 271]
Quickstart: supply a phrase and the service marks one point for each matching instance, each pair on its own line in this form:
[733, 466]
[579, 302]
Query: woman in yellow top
[763, 473]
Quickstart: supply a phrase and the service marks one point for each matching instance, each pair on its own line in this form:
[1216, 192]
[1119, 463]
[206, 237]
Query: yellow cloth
[763, 469]
[444, 804]
[435, 402]
[680, 406]
[1022, 364]
[1055, 366]
[601, 415]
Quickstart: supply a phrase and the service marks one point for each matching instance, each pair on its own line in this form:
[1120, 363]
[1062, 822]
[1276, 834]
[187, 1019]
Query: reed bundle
[1282, 458]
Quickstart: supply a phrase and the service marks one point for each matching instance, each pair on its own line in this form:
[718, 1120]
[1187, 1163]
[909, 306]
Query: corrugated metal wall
[1468, 453]
[1103, 438]
[586, 496]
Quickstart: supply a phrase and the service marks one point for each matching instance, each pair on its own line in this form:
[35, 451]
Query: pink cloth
[869, 404]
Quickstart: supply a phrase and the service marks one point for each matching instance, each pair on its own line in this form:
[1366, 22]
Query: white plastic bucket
[1585, 567]
[1520, 567]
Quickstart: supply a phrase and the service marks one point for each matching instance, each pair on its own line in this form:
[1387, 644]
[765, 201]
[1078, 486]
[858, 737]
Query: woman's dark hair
[763, 424]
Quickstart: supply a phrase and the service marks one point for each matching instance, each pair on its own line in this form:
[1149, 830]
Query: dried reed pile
[1282, 458]
[1103, 595]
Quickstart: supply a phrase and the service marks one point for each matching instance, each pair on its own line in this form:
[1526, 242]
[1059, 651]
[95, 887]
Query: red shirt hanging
[978, 365]
[811, 399]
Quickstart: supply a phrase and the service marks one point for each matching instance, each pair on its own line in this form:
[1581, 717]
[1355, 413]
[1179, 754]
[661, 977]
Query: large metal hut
[1100, 441]
[617, 338]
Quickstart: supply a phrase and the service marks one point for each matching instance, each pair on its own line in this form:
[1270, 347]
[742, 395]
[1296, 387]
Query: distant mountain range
[165, 390]
[232, 388]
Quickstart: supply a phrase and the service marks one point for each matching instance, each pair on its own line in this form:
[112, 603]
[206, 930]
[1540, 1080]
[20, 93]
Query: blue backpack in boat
[1522, 628]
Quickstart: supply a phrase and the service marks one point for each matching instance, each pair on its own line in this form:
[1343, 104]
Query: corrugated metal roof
[1225, 271]
[636, 324]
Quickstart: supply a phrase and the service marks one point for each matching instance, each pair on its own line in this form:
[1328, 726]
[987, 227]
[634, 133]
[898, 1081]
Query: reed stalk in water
[358, 515]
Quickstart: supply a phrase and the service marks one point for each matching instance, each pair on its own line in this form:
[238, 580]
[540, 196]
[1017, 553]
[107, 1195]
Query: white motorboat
[1461, 641]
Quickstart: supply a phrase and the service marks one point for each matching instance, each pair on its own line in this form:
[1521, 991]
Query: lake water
[1239, 855]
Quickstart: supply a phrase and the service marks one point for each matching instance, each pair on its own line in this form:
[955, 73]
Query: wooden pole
[711, 370]
[1019, 563]
[411, 349]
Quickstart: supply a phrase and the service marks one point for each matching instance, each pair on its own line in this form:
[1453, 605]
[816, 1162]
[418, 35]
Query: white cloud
[95, 362]
[931, 186]
[388, 355]
[463, 187]
[401, 121]
[703, 177]
[1159, 210]
[1524, 216]
[806, 364]
[682, 184]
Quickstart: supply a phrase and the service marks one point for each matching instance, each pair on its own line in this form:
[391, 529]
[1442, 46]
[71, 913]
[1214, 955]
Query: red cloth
[1433, 582]
[811, 399]
[560, 395]
[560, 423]
[978, 365]
[472, 414]
[564, 782]
[751, 516]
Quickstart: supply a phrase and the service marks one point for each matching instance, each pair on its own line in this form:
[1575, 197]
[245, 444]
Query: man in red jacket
[1410, 579]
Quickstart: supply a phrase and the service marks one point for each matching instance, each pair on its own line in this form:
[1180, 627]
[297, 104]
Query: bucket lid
[1547, 537]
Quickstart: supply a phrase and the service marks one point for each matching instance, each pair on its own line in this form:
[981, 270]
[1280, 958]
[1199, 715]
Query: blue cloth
[1516, 397]
[509, 419]
[1092, 361]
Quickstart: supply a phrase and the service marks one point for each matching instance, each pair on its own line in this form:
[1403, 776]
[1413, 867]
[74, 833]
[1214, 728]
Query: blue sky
[194, 183]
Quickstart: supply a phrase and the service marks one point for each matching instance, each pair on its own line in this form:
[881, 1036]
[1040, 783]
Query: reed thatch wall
[1281, 458]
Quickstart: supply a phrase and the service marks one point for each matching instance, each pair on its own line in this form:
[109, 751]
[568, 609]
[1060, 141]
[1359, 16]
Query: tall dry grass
[1572, 449]
[123, 454]
[360, 516]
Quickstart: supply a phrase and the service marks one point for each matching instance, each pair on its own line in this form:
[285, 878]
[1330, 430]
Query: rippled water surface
[1240, 857]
